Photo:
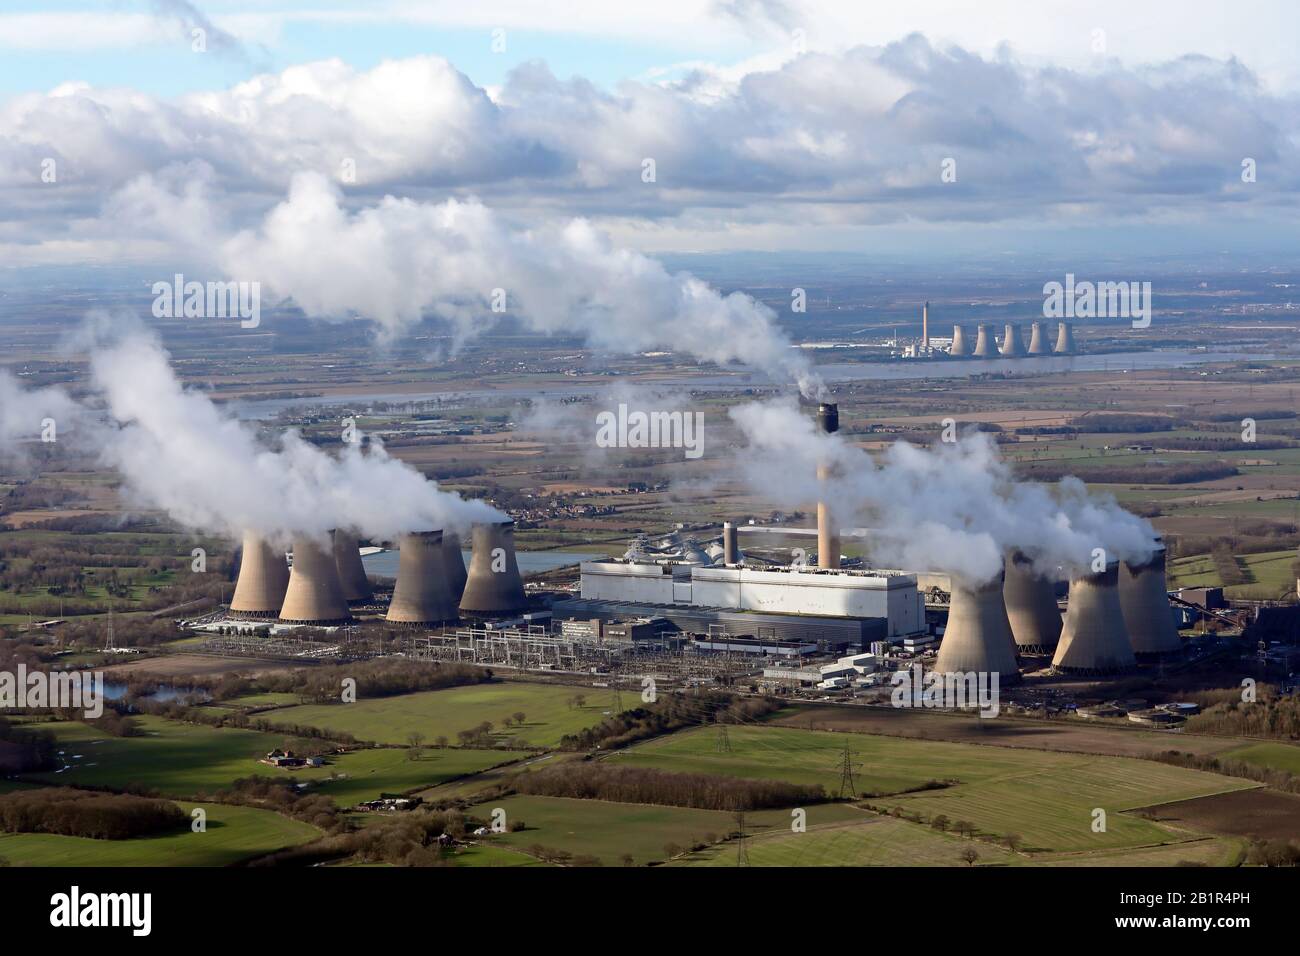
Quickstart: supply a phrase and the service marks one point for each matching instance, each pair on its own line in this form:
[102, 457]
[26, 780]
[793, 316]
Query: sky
[171, 134]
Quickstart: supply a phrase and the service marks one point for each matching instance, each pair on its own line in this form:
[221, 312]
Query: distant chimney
[984, 344]
[959, 348]
[828, 541]
[314, 595]
[925, 326]
[1037, 340]
[1031, 607]
[352, 573]
[455, 564]
[423, 593]
[494, 585]
[1011, 342]
[1065, 340]
[1144, 599]
[978, 635]
[730, 544]
[263, 578]
[1094, 639]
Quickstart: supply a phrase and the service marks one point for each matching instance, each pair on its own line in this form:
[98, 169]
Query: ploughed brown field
[196, 665]
[1259, 814]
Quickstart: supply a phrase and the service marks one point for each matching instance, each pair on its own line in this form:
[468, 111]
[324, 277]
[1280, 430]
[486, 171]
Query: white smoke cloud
[24, 413]
[954, 507]
[177, 452]
[400, 259]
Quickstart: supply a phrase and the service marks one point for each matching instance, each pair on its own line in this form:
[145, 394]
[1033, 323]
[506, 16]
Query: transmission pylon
[742, 850]
[846, 777]
[724, 739]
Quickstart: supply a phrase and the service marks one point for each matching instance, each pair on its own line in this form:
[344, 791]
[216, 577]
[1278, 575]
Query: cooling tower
[959, 347]
[493, 585]
[978, 636]
[1094, 640]
[455, 564]
[352, 573]
[1065, 340]
[730, 544]
[263, 577]
[984, 344]
[1011, 342]
[314, 595]
[1031, 607]
[423, 593]
[1037, 340]
[1144, 599]
[828, 541]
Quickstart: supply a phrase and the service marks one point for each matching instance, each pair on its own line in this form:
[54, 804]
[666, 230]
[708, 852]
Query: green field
[1272, 756]
[609, 830]
[876, 841]
[1270, 571]
[233, 834]
[435, 713]
[180, 760]
[1044, 796]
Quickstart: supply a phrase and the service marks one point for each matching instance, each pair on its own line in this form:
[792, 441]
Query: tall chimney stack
[730, 544]
[1031, 607]
[493, 585]
[352, 573]
[978, 636]
[1038, 340]
[984, 344]
[1094, 639]
[828, 540]
[925, 326]
[1065, 340]
[423, 593]
[1144, 599]
[1011, 342]
[314, 595]
[455, 564]
[263, 579]
[960, 348]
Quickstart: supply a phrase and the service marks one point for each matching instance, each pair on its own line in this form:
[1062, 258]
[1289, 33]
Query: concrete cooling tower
[263, 578]
[1144, 599]
[1094, 640]
[1031, 607]
[1038, 340]
[1011, 346]
[314, 595]
[960, 347]
[985, 347]
[455, 564]
[493, 585]
[352, 573]
[1065, 340]
[423, 593]
[978, 636]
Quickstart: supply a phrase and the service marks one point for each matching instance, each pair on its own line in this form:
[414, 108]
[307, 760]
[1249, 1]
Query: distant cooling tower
[1094, 640]
[1038, 340]
[314, 595]
[455, 564]
[263, 578]
[960, 348]
[352, 573]
[423, 593]
[1065, 340]
[493, 585]
[1011, 342]
[984, 344]
[1144, 599]
[1031, 607]
[978, 635]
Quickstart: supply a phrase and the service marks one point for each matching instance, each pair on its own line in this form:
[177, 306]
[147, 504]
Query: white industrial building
[889, 596]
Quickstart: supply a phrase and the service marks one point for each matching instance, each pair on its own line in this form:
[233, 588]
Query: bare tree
[970, 855]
